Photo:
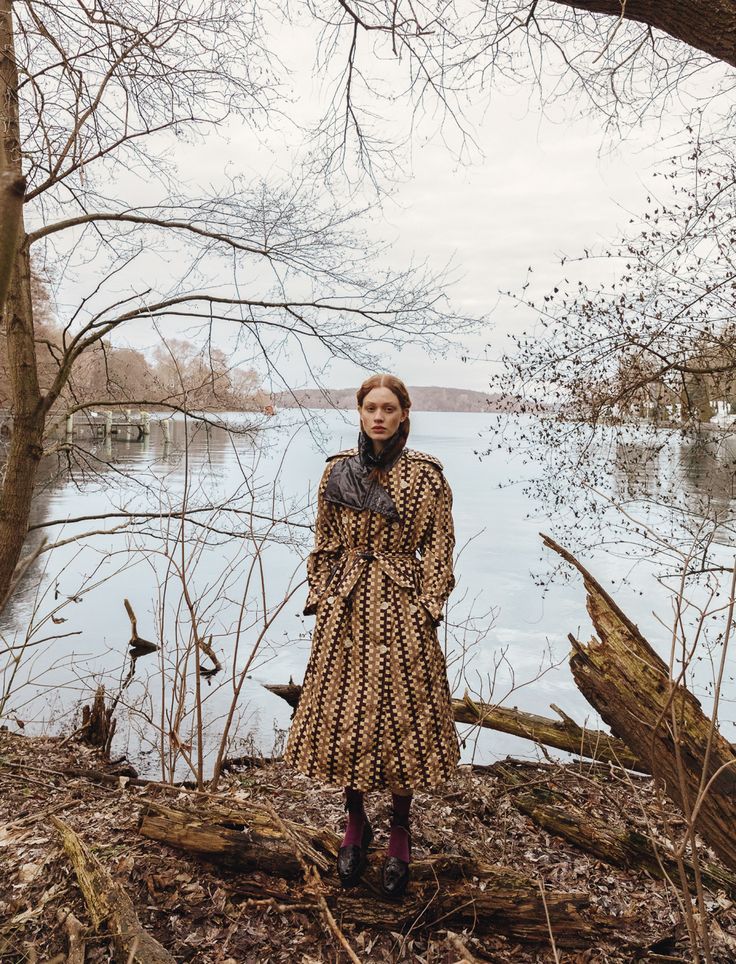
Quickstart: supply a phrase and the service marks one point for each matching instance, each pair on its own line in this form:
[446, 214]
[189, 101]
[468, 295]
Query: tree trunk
[454, 889]
[98, 723]
[620, 845]
[12, 189]
[662, 722]
[29, 414]
[708, 25]
[563, 734]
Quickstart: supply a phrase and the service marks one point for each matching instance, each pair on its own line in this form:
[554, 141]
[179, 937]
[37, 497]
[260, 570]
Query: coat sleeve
[327, 547]
[436, 551]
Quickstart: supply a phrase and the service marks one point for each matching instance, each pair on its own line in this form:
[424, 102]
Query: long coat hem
[437, 780]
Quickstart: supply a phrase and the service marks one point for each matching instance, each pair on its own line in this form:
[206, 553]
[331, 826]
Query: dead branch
[562, 734]
[661, 721]
[109, 905]
[622, 846]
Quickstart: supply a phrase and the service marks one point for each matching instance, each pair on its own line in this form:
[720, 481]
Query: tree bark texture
[109, 905]
[26, 443]
[617, 844]
[662, 722]
[459, 891]
[12, 189]
[562, 734]
[707, 25]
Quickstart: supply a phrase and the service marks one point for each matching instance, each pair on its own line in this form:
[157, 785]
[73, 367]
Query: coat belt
[379, 555]
[393, 564]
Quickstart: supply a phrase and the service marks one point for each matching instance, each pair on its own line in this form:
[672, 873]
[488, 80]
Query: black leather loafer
[394, 878]
[395, 872]
[352, 860]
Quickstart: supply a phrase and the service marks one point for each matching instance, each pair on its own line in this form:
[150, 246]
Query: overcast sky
[536, 189]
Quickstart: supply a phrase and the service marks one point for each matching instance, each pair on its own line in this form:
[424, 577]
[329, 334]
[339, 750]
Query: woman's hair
[401, 392]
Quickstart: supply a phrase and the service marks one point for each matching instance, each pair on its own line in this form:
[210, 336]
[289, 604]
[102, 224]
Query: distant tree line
[424, 398]
[176, 372]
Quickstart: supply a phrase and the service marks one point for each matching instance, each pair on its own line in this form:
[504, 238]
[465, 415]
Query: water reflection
[73, 599]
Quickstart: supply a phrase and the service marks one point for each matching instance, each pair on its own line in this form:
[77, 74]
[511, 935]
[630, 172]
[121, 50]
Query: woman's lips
[379, 429]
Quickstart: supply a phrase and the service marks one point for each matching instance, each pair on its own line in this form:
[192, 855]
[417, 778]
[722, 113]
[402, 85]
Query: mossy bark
[109, 906]
[460, 891]
[659, 719]
[609, 840]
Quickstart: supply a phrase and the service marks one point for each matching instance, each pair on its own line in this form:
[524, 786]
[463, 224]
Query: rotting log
[109, 905]
[623, 678]
[458, 890]
[98, 724]
[563, 734]
[621, 845]
[235, 837]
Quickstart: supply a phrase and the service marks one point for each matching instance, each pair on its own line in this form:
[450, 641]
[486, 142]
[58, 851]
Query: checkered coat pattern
[375, 708]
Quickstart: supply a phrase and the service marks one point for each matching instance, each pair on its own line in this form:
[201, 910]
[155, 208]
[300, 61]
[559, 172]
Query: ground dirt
[201, 912]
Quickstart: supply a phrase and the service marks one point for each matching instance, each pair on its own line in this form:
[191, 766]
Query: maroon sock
[398, 842]
[356, 818]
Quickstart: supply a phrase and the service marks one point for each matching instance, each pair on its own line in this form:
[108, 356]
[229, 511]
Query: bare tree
[634, 380]
[95, 98]
[622, 58]
[709, 27]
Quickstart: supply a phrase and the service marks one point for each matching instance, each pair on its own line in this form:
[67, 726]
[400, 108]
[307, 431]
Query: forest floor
[203, 912]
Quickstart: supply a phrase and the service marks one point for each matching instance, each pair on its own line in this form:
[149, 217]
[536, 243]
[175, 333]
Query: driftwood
[661, 721]
[138, 645]
[110, 906]
[562, 734]
[622, 846]
[460, 891]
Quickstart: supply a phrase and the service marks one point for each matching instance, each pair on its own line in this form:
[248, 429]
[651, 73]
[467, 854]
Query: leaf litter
[210, 914]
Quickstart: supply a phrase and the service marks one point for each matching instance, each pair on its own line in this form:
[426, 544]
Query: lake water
[510, 625]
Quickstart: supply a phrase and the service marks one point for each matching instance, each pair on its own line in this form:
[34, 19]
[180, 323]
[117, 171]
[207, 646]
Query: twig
[549, 925]
[314, 872]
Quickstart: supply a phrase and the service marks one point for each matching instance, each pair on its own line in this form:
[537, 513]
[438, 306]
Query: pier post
[146, 422]
[166, 426]
[70, 426]
[108, 423]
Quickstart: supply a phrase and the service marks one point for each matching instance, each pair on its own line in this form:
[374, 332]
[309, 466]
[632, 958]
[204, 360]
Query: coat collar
[350, 484]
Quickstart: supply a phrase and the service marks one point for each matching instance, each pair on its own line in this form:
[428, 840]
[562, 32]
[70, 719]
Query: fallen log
[623, 678]
[562, 734]
[622, 846]
[243, 837]
[109, 905]
[459, 891]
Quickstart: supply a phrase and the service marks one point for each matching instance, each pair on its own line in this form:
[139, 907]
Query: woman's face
[380, 415]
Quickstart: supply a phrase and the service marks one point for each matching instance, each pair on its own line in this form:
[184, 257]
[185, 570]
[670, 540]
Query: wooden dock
[126, 426]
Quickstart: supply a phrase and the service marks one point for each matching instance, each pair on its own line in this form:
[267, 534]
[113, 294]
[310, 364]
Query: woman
[375, 709]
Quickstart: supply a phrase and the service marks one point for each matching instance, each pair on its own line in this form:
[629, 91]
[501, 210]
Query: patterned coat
[375, 708]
